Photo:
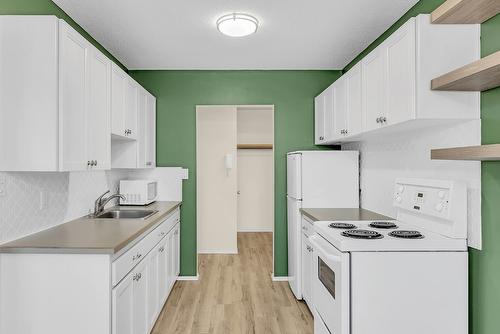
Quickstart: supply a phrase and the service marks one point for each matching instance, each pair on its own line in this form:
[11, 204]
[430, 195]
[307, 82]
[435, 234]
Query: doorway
[235, 174]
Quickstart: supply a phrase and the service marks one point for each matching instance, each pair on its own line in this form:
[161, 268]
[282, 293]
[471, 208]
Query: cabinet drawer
[307, 227]
[121, 266]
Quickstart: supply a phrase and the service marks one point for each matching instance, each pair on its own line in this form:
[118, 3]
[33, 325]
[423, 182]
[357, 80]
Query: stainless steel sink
[127, 214]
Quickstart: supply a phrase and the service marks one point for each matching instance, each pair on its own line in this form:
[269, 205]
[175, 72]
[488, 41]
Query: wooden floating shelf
[465, 11]
[479, 76]
[476, 153]
[255, 146]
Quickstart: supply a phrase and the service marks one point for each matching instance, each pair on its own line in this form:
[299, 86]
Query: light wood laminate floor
[235, 294]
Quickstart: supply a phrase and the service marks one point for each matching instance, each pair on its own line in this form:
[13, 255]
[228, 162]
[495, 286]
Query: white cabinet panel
[163, 260]
[329, 107]
[373, 67]
[73, 99]
[319, 119]
[150, 131]
[140, 279]
[118, 81]
[306, 271]
[177, 251]
[123, 306]
[141, 128]
[400, 83]
[354, 101]
[340, 108]
[99, 110]
[153, 286]
[131, 95]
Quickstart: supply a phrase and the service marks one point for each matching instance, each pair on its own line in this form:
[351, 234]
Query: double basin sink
[126, 214]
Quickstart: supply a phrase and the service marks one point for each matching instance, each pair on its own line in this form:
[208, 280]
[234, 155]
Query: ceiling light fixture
[237, 24]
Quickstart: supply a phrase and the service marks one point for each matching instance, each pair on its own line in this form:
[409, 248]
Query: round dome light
[237, 24]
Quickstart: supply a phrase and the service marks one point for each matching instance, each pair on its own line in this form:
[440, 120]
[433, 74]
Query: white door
[141, 127]
[118, 81]
[140, 279]
[354, 100]
[153, 291]
[73, 99]
[216, 179]
[401, 75]
[131, 96]
[319, 119]
[294, 246]
[374, 88]
[150, 131]
[340, 108]
[294, 175]
[123, 306]
[162, 272]
[99, 110]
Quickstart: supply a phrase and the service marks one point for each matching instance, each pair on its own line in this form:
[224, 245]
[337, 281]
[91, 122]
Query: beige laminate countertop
[342, 214]
[90, 235]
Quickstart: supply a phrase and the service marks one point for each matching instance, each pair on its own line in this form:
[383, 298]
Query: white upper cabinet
[393, 80]
[124, 104]
[146, 130]
[319, 119]
[61, 99]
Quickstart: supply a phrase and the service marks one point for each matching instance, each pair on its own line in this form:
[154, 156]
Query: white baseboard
[279, 278]
[257, 230]
[188, 278]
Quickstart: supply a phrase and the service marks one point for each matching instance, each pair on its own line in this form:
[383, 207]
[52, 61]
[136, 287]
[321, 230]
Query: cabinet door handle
[161, 234]
[88, 163]
[161, 249]
[378, 119]
[149, 163]
[321, 138]
[383, 119]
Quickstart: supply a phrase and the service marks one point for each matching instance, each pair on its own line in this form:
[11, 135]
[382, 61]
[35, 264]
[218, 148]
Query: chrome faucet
[101, 202]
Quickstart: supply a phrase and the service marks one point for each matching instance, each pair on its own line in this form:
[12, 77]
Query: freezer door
[330, 179]
[294, 246]
[294, 175]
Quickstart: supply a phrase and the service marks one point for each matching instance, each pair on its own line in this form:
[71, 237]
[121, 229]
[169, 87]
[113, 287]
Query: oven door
[331, 285]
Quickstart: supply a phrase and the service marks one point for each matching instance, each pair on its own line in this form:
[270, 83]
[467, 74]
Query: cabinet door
[329, 111]
[118, 81]
[131, 104]
[171, 259]
[339, 108]
[163, 260]
[123, 306]
[141, 128]
[400, 74]
[306, 271]
[319, 119]
[150, 131]
[153, 292]
[140, 291]
[373, 68]
[354, 101]
[73, 99]
[177, 252]
[99, 110]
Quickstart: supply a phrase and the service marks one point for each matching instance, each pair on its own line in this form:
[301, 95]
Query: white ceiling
[181, 34]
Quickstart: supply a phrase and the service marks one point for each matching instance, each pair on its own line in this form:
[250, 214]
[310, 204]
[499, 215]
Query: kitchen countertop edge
[18, 246]
[341, 214]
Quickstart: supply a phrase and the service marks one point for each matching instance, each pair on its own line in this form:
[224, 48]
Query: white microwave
[138, 192]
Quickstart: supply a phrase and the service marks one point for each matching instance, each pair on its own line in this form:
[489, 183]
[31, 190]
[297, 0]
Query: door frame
[237, 106]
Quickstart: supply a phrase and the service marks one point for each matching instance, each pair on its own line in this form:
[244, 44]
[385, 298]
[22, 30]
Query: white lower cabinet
[138, 299]
[307, 263]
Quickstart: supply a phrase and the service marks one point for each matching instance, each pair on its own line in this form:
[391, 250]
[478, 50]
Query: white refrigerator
[316, 179]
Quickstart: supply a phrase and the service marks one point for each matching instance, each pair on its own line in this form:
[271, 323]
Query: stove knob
[439, 207]
[441, 194]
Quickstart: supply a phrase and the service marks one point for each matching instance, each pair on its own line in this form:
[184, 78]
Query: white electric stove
[408, 275]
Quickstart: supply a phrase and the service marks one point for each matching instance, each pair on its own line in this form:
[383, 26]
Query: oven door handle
[323, 251]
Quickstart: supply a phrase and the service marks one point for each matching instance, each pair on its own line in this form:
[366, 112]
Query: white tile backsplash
[32, 202]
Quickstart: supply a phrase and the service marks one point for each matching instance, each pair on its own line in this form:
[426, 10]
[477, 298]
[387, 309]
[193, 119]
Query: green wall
[47, 7]
[178, 93]
[484, 266]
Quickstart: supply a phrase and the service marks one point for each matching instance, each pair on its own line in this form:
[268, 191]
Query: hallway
[235, 294]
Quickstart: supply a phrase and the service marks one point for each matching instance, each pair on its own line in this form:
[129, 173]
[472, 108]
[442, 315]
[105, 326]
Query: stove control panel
[438, 203]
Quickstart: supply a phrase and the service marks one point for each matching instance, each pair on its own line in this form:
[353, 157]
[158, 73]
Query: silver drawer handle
[137, 277]
[137, 256]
